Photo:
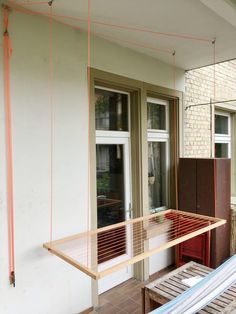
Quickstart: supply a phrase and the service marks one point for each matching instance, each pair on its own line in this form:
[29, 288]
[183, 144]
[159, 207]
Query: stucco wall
[44, 283]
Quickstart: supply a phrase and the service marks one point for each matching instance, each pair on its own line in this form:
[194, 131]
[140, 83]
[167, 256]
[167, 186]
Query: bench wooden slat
[212, 310]
[163, 287]
[170, 274]
[230, 309]
[195, 273]
[171, 285]
[203, 311]
[222, 299]
[178, 284]
[217, 304]
[228, 296]
[204, 268]
[173, 288]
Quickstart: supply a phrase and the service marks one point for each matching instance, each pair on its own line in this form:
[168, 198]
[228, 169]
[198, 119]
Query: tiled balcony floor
[125, 298]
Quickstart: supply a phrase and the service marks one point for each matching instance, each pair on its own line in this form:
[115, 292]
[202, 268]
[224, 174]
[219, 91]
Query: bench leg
[147, 303]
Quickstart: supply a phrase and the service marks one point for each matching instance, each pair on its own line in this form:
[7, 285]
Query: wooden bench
[170, 286]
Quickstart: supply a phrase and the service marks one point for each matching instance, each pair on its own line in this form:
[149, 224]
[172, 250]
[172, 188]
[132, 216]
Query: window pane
[111, 110]
[156, 116]
[157, 175]
[221, 124]
[110, 200]
[110, 184]
[222, 150]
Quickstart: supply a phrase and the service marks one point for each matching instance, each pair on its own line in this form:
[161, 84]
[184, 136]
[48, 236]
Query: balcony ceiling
[206, 19]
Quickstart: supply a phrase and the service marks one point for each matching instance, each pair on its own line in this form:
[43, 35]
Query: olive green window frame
[139, 91]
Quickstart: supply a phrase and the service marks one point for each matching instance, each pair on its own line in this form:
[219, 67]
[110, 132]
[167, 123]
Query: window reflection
[110, 200]
[110, 184]
[221, 124]
[111, 110]
[157, 175]
[156, 116]
[221, 150]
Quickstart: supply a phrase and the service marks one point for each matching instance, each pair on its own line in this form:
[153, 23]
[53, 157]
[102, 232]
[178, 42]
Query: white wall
[44, 283]
[162, 259]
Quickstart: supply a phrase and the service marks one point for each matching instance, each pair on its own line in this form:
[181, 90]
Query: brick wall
[200, 89]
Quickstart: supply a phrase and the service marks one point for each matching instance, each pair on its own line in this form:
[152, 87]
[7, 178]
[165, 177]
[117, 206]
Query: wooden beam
[71, 261]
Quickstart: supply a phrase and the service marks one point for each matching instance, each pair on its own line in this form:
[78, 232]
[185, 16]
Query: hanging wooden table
[80, 250]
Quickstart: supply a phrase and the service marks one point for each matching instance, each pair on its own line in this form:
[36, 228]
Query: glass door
[113, 182]
[111, 207]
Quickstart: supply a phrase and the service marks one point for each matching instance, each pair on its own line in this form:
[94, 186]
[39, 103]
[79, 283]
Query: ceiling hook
[50, 2]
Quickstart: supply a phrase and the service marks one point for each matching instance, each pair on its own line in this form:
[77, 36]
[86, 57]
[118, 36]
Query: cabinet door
[205, 187]
[222, 234]
[187, 184]
[223, 193]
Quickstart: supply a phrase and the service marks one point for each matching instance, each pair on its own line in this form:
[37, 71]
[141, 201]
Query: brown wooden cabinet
[204, 188]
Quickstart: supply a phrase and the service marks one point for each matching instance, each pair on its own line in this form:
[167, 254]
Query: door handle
[130, 212]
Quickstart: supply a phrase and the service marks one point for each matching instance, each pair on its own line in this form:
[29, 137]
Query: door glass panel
[221, 150]
[110, 200]
[156, 116]
[221, 124]
[157, 175]
[111, 109]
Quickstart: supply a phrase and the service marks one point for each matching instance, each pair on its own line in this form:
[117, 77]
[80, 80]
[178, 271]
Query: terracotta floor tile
[129, 306]
[108, 308]
[139, 311]
[124, 284]
[134, 286]
[119, 299]
[137, 297]
[125, 298]
[102, 302]
[111, 311]
[113, 296]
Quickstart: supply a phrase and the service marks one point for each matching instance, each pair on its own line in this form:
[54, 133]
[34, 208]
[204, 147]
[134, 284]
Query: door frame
[162, 136]
[122, 138]
[103, 139]
[139, 91]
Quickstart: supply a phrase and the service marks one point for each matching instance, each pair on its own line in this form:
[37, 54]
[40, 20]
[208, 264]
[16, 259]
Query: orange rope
[51, 119]
[132, 43]
[119, 26]
[31, 3]
[18, 6]
[89, 117]
[145, 30]
[10, 192]
[100, 35]
[214, 69]
[175, 136]
[214, 96]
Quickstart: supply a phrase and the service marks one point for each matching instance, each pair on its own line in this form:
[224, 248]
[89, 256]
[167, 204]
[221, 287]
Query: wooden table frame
[143, 228]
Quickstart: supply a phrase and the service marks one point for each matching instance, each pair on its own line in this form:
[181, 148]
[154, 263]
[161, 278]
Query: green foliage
[103, 183]
[102, 104]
